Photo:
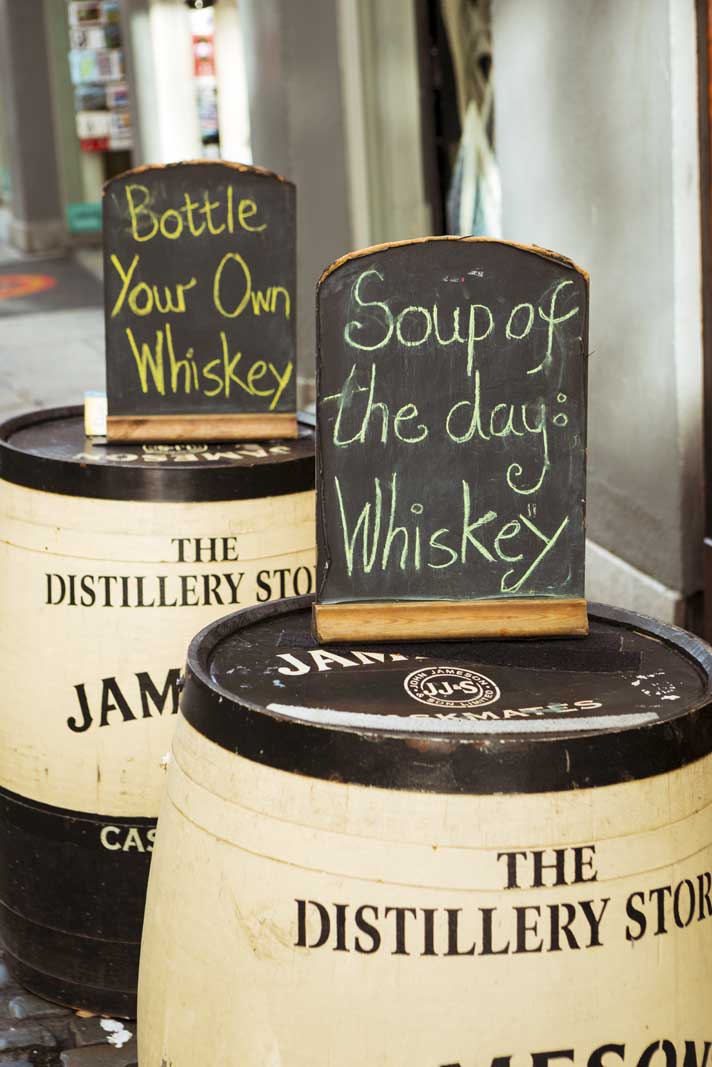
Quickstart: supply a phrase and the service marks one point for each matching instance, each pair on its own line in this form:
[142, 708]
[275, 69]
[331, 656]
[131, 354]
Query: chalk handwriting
[483, 377]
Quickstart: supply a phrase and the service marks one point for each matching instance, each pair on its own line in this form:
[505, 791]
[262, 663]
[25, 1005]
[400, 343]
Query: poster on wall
[101, 94]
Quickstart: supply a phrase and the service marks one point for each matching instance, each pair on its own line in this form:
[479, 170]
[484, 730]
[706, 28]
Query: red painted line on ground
[16, 285]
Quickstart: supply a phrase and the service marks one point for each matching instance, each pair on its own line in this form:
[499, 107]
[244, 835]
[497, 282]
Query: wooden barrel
[111, 557]
[439, 855]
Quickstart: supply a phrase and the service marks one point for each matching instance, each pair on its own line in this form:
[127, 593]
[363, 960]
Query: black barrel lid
[632, 699]
[48, 450]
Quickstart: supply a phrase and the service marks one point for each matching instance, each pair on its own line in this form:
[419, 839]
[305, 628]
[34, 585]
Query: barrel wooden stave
[84, 739]
[63, 874]
[276, 894]
[222, 921]
[64, 753]
[61, 869]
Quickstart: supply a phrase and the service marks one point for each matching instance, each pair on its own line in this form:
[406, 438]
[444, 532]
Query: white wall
[596, 122]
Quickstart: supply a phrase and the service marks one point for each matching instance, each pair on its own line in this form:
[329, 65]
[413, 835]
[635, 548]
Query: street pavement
[49, 357]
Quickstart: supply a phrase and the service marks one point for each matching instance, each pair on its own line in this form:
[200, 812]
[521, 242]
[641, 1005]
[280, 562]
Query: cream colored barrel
[434, 855]
[110, 558]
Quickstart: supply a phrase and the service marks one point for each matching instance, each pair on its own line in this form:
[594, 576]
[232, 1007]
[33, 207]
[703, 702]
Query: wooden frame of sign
[450, 619]
[451, 432]
[200, 289]
[200, 427]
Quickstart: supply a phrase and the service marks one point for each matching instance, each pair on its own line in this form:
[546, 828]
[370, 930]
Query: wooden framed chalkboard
[199, 277]
[451, 442]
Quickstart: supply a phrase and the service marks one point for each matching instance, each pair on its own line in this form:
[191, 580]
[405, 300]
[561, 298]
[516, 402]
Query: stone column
[36, 211]
[297, 129]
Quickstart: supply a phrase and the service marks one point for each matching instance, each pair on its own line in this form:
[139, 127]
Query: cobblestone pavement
[36, 1033]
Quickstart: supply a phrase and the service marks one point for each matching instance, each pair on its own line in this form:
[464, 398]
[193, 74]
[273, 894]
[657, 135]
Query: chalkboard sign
[451, 413]
[199, 276]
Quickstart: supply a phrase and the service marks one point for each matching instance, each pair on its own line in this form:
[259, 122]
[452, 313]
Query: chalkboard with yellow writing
[199, 276]
[451, 412]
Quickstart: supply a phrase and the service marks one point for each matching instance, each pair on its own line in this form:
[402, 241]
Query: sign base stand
[208, 427]
[442, 620]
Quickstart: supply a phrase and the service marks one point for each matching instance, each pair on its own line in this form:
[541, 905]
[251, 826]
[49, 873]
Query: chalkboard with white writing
[451, 411]
[199, 276]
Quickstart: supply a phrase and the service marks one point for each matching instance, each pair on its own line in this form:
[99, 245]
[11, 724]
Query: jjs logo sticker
[451, 687]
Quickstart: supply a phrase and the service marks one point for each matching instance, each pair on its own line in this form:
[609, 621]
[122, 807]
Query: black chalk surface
[451, 424]
[200, 287]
